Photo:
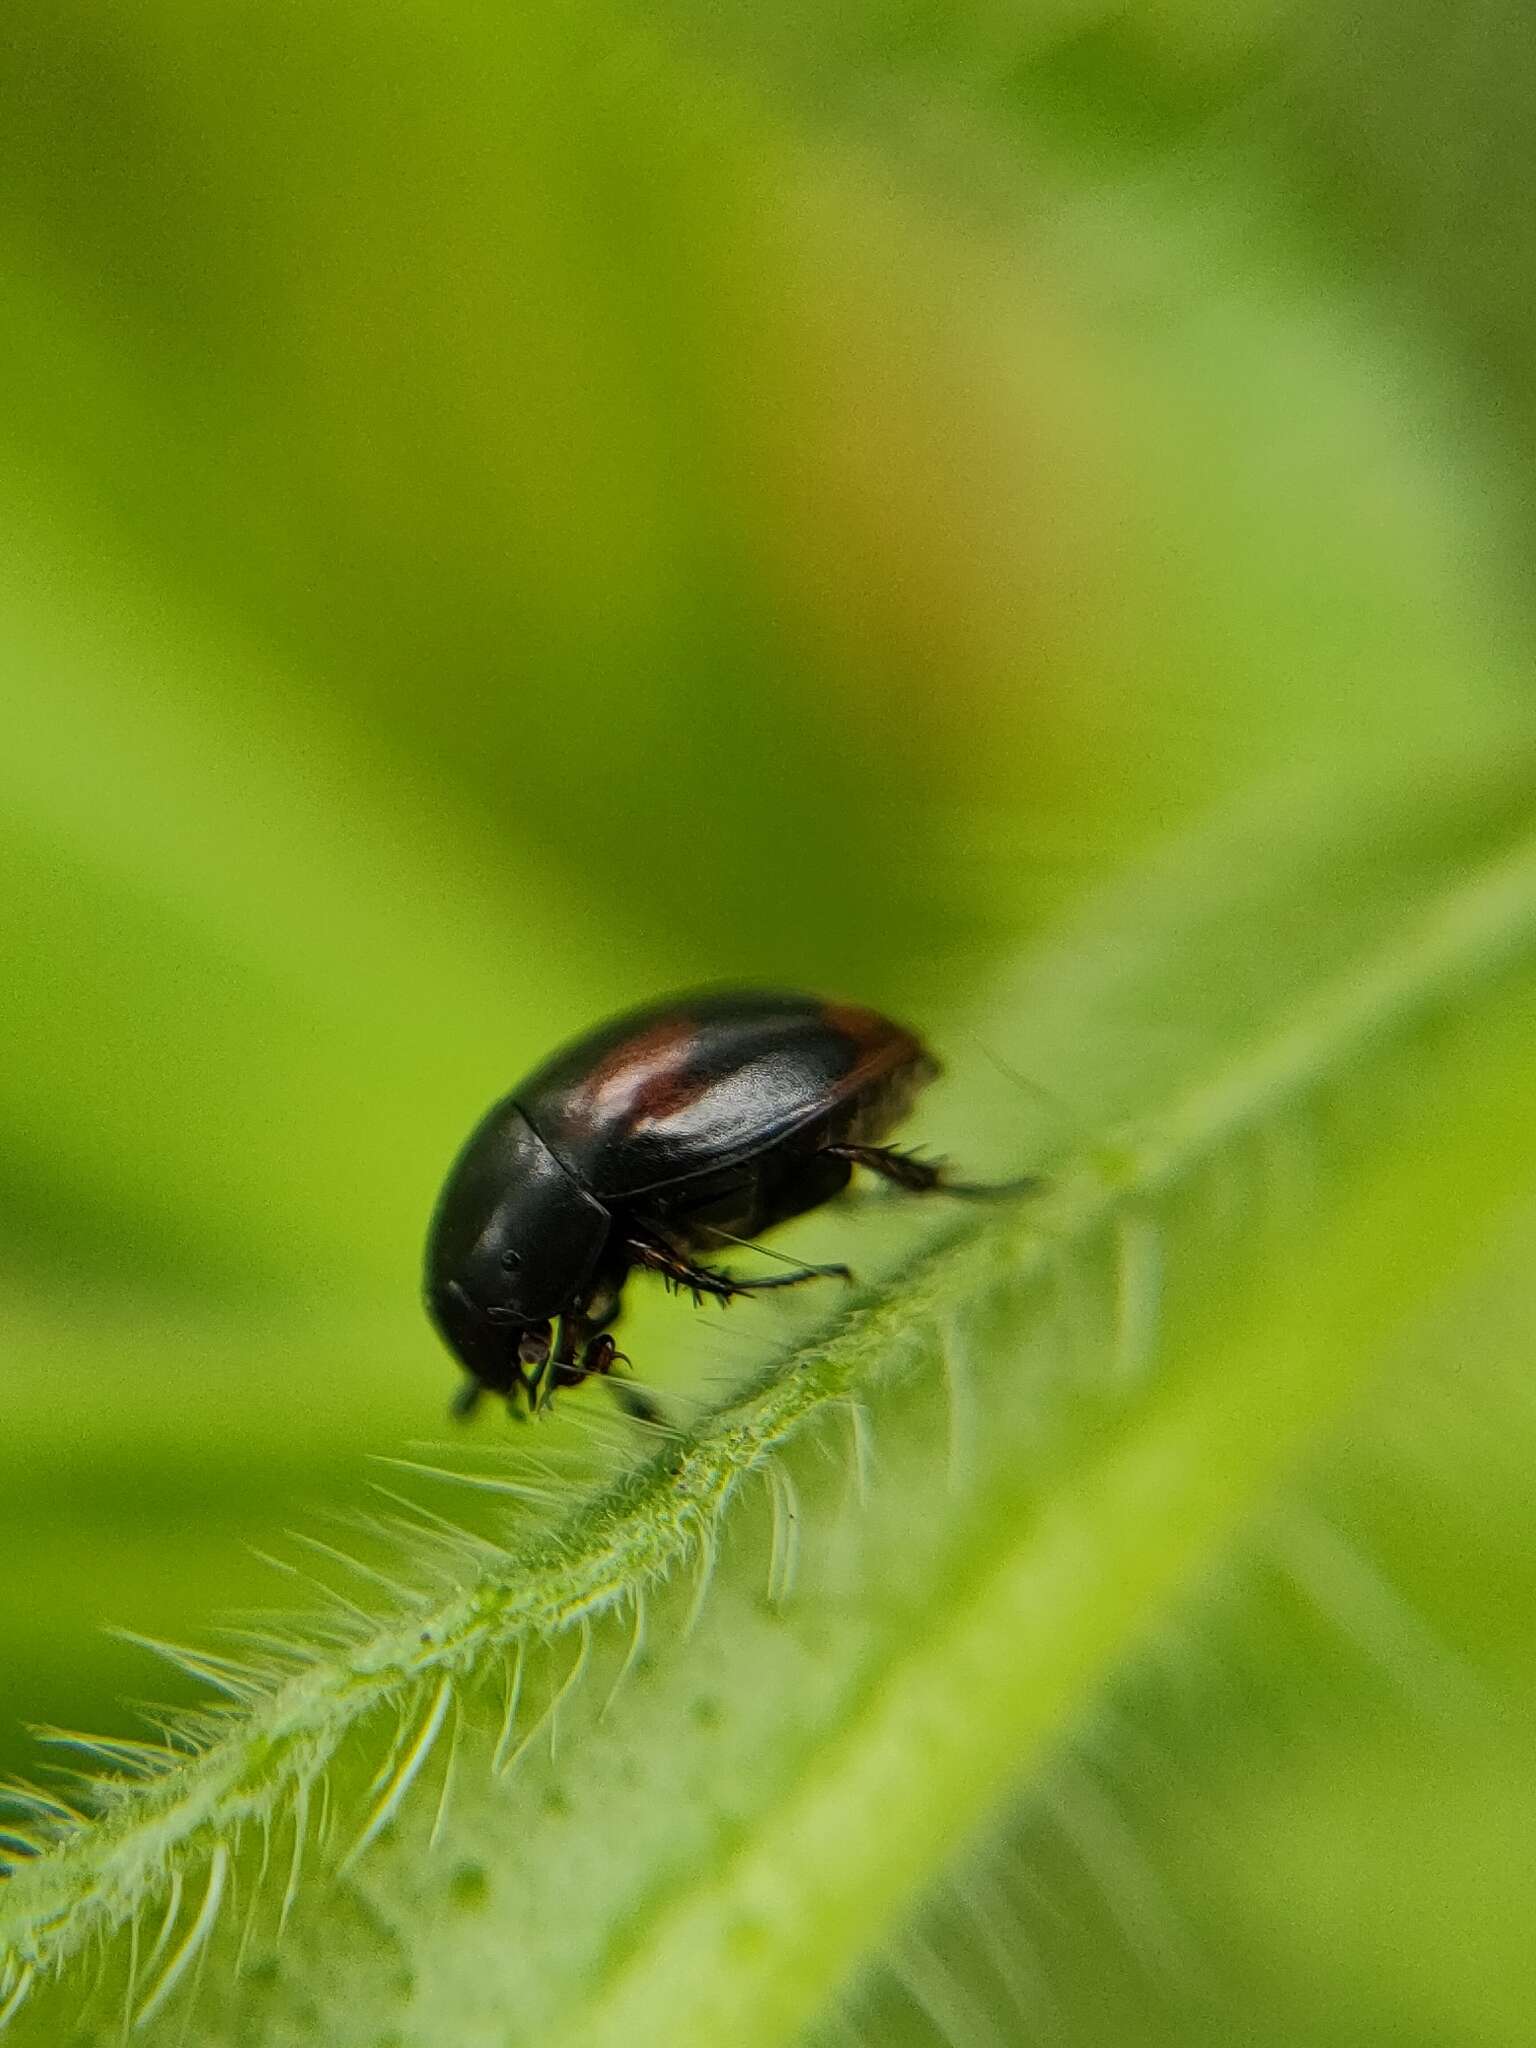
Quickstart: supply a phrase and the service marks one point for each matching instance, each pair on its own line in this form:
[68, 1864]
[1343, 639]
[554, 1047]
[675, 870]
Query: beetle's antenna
[1072, 1118]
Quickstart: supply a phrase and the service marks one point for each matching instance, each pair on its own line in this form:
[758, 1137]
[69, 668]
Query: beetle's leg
[561, 1369]
[519, 1377]
[531, 1367]
[599, 1356]
[598, 1362]
[678, 1271]
[795, 1277]
[798, 1269]
[924, 1176]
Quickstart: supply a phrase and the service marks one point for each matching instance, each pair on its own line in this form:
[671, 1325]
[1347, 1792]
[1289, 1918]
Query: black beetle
[679, 1127]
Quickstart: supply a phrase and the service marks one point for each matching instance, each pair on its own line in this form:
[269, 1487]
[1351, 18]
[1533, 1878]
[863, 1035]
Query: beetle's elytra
[666, 1134]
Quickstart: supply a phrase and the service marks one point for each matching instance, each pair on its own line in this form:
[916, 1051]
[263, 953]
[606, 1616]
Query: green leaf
[664, 1752]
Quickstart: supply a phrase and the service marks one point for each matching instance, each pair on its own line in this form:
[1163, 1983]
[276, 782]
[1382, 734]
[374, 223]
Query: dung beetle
[689, 1124]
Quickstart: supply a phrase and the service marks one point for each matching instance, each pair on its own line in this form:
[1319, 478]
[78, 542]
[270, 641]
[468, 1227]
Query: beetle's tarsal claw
[465, 1401]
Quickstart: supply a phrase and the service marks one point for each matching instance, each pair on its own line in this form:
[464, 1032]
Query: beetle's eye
[509, 1260]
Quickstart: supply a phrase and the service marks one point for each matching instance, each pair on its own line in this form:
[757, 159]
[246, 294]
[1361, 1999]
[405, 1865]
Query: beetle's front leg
[598, 1355]
[583, 1350]
[598, 1362]
[562, 1369]
[530, 1366]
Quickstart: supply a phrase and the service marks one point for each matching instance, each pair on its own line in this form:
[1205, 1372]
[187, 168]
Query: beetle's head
[513, 1243]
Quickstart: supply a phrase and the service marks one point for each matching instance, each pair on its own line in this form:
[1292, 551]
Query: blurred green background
[505, 514]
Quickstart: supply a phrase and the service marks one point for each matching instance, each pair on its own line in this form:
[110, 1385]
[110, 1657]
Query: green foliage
[502, 517]
[1051, 1415]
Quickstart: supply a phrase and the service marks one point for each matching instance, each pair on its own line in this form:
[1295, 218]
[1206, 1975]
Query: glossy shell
[692, 1123]
[692, 1086]
[505, 1194]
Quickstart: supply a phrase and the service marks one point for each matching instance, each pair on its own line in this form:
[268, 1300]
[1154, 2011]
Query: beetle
[688, 1124]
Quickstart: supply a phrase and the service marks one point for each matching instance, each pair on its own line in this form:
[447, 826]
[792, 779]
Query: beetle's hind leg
[925, 1176]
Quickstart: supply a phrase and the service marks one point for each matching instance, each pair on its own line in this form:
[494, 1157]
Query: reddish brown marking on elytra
[867, 1028]
[882, 1047]
[651, 1068]
[667, 1091]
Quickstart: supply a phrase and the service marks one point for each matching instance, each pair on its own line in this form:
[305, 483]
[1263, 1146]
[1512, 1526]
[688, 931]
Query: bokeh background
[506, 512]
